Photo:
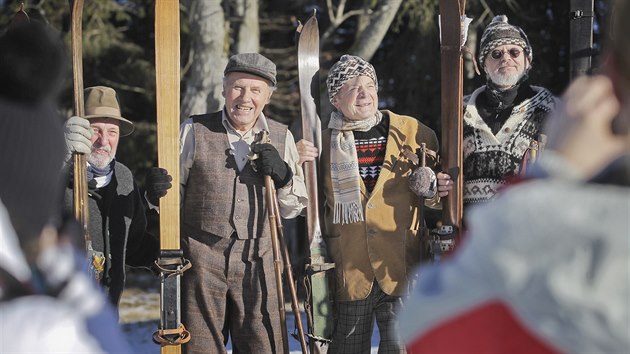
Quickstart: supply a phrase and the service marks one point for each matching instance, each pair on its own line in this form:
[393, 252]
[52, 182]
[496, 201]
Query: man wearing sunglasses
[502, 119]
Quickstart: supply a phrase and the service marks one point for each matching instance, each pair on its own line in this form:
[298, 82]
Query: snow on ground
[140, 313]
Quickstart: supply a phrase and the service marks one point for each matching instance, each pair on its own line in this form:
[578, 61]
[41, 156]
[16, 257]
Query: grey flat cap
[252, 63]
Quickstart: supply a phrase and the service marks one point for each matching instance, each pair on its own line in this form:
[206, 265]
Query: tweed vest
[218, 198]
[489, 159]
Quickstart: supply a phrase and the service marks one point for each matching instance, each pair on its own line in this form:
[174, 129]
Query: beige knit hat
[101, 102]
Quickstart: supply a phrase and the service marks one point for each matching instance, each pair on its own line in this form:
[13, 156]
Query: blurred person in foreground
[48, 303]
[546, 267]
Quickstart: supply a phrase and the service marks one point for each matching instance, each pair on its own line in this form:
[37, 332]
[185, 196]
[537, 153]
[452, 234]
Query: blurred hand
[158, 182]
[580, 129]
[271, 164]
[445, 184]
[77, 133]
[307, 151]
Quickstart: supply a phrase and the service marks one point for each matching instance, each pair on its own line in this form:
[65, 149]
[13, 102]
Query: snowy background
[140, 313]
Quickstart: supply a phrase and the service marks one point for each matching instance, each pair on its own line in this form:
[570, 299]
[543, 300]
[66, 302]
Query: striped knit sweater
[489, 159]
[371, 151]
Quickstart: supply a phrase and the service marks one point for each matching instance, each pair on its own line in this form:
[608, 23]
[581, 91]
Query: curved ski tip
[500, 18]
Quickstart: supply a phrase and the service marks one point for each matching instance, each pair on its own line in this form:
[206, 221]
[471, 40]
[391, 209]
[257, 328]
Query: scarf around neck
[344, 166]
[93, 171]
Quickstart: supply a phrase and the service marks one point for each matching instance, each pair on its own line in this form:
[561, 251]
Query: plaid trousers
[230, 291]
[354, 322]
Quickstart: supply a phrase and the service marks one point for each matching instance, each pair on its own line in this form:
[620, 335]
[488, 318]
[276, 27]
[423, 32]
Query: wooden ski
[451, 14]
[318, 305]
[172, 333]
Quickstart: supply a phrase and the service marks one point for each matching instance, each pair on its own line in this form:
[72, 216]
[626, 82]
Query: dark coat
[118, 228]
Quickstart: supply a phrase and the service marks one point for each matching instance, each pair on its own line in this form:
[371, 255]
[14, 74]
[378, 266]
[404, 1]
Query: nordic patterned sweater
[491, 159]
[371, 151]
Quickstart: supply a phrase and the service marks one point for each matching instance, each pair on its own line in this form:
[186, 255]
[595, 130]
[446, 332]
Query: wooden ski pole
[295, 305]
[277, 261]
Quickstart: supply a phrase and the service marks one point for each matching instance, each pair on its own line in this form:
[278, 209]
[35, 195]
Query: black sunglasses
[498, 54]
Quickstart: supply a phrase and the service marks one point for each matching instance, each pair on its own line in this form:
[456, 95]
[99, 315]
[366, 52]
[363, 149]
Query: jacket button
[371, 232]
[370, 205]
[237, 217]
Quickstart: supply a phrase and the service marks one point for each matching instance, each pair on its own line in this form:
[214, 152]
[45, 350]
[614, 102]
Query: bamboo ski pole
[80, 193]
[295, 305]
[277, 261]
[80, 201]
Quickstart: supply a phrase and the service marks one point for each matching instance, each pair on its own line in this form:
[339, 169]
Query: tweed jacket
[386, 246]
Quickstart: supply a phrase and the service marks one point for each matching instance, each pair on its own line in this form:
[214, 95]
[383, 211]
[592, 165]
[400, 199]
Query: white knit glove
[77, 133]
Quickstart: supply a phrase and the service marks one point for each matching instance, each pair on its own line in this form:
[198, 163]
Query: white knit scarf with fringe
[344, 166]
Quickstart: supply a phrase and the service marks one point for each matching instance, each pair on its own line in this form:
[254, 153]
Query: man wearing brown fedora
[117, 223]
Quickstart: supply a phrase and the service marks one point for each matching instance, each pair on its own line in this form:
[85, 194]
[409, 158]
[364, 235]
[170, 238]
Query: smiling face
[106, 133]
[245, 97]
[357, 99]
[505, 70]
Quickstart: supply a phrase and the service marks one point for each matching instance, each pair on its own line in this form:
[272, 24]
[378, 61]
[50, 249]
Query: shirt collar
[261, 124]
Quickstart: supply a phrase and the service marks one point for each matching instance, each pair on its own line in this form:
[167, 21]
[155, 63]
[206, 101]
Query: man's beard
[101, 160]
[507, 80]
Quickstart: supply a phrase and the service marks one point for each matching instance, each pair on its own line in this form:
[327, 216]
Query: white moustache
[105, 148]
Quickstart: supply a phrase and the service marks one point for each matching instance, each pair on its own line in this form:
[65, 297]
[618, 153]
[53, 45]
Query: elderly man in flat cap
[372, 222]
[230, 291]
[118, 222]
[502, 119]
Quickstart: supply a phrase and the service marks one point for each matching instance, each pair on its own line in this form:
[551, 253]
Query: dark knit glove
[92, 190]
[158, 182]
[271, 164]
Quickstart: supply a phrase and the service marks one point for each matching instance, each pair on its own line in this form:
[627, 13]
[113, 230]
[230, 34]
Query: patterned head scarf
[348, 67]
[499, 32]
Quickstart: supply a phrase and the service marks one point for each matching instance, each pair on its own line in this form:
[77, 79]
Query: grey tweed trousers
[230, 292]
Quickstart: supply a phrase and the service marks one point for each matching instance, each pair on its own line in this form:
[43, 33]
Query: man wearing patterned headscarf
[372, 223]
[502, 119]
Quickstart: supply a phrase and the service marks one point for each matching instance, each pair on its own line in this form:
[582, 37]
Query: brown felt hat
[252, 63]
[101, 102]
